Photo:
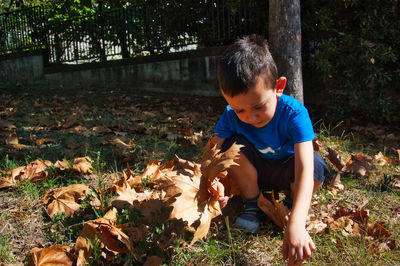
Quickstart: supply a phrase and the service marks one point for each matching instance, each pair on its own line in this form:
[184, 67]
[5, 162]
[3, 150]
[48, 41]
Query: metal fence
[22, 30]
[149, 28]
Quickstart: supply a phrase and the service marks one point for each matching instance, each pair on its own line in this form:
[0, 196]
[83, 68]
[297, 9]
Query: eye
[238, 111]
[259, 107]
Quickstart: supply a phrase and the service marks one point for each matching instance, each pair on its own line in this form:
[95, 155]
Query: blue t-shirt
[291, 124]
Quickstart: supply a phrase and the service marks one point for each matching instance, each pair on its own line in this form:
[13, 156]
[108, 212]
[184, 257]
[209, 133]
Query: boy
[277, 135]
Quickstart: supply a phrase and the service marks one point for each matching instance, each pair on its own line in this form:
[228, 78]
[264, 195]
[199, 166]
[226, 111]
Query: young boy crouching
[277, 135]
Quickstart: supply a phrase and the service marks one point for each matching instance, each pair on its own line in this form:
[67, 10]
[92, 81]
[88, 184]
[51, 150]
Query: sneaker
[251, 217]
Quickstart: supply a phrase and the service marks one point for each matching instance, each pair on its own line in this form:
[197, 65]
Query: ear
[280, 86]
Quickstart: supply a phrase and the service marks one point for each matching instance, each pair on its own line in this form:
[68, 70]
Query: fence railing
[149, 28]
[23, 29]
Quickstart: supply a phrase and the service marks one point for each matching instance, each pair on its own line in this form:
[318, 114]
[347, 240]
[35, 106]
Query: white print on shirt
[267, 150]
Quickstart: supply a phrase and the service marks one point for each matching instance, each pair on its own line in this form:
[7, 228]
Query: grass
[225, 245]
[5, 253]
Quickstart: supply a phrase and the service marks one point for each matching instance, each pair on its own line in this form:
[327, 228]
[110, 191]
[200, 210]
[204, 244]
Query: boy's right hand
[222, 199]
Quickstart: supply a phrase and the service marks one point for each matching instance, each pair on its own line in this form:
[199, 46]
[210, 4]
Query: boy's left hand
[297, 245]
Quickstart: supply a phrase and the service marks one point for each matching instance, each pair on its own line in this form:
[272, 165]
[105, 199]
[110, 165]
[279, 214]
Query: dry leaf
[214, 165]
[65, 200]
[112, 238]
[9, 180]
[336, 185]
[316, 227]
[40, 142]
[153, 261]
[127, 195]
[35, 171]
[277, 212]
[62, 165]
[70, 121]
[6, 125]
[316, 144]
[101, 129]
[83, 165]
[194, 197]
[12, 140]
[359, 165]
[377, 230]
[335, 159]
[382, 159]
[54, 255]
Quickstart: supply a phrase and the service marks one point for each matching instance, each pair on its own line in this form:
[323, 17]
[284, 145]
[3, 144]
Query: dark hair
[243, 62]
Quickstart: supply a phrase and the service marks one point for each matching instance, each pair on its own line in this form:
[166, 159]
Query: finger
[307, 252]
[292, 256]
[223, 201]
[300, 254]
[312, 245]
[298, 262]
[220, 189]
[285, 252]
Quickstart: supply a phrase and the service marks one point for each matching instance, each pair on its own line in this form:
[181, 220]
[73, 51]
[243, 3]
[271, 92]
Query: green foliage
[132, 217]
[352, 50]
[5, 252]
[6, 164]
[96, 257]
[64, 230]
[30, 191]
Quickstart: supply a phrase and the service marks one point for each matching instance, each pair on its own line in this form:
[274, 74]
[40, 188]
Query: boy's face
[257, 106]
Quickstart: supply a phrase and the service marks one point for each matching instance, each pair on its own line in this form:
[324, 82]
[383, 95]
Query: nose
[252, 118]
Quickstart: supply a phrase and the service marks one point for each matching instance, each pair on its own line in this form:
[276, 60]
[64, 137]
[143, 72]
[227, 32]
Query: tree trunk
[285, 43]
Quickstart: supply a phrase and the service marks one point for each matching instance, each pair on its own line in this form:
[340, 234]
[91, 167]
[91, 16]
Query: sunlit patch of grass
[5, 253]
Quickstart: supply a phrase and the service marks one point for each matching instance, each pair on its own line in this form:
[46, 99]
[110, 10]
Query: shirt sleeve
[225, 126]
[300, 126]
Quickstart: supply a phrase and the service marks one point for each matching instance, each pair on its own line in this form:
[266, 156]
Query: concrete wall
[21, 68]
[192, 72]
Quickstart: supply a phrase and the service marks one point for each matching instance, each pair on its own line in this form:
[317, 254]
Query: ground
[120, 127]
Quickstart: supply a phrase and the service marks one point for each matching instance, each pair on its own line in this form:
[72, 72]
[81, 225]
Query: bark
[285, 43]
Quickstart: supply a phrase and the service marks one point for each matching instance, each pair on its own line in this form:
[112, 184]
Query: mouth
[259, 124]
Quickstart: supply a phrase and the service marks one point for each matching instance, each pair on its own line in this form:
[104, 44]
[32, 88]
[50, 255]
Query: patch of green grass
[64, 230]
[7, 164]
[30, 192]
[6, 255]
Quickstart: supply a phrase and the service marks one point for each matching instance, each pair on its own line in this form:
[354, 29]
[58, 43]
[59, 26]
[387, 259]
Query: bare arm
[297, 242]
[218, 141]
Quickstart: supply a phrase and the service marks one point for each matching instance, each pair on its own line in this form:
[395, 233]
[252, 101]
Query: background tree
[285, 43]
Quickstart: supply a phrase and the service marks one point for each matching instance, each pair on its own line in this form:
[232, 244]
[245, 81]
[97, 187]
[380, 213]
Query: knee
[320, 169]
[238, 139]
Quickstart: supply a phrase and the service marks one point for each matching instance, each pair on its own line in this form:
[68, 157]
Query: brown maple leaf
[83, 165]
[127, 195]
[54, 255]
[65, 200]
[34, 171]
[335, 185]
[335, 158]
[276, 211]
[62, 165]
[195, 197]
[112, 238]
[214, 166]
[359, 165]
[10, 179]
[382, 159]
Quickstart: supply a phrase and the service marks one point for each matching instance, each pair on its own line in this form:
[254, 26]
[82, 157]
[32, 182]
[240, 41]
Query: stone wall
[191, 72]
